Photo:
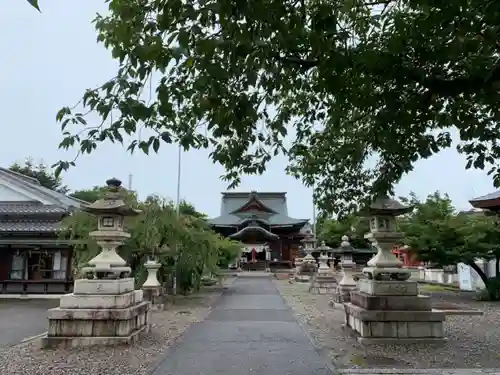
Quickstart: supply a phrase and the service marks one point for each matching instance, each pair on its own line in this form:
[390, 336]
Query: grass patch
[433, 288]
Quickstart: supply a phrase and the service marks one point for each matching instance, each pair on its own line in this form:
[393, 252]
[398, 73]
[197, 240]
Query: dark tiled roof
[494, 195]
[24, 226]
[275, 202]
[29, 208]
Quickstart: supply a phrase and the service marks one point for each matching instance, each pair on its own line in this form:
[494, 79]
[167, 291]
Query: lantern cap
[112, 203]
[384, 205]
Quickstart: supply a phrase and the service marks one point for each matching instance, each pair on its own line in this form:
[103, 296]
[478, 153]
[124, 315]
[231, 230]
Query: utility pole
[314, 216]
[178, 213]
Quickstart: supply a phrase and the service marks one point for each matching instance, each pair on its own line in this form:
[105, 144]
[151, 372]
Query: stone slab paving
[249, 331]
[20, 319]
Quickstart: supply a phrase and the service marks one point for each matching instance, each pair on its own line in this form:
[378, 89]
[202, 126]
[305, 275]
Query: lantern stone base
[392, 312]
[100, 286]
[343, 293]
[155, 295]
[323, 282]
[98, 319]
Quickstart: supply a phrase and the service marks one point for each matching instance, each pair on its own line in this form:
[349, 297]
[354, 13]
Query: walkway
[249, 331]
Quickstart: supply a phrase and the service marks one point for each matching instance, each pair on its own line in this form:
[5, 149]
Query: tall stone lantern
[387, 308]
[104, 307]
[323, 257]
[308, 247]
[347, 283]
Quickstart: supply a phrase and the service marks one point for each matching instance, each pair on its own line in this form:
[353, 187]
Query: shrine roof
[489, 201]
[269, 207]
[10, 208]
[27, 226]
[252, 229]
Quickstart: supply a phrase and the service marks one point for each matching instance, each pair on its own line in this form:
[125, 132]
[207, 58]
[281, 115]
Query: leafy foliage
[183, 243]
[363, 88]
[332, 230]
[42, 173]
[443, 237]
[34, 4]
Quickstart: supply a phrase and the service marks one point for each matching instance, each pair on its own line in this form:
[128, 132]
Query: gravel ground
[473, 341]
[167, 326]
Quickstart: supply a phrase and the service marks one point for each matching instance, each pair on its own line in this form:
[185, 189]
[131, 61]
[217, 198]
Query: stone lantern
[104, 307]
[308, 247]
[347, 283]
[387, 308]
[323, 258]
[383, 236]
[152, 288]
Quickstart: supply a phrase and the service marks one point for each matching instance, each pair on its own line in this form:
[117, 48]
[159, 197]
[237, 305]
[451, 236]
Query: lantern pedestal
[104, 308]
[152, 288]
[387, 308]
[323, 280]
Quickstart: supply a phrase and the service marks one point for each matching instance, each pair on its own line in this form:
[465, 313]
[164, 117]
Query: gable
[9, 194]
[254, 205]
[15, 187]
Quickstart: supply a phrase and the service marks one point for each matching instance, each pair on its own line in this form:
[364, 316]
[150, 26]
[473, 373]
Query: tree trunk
[480, 272]
[497, 267]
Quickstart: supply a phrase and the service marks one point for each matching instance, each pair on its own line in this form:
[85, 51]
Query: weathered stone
[99, 286]
[370, 302]
[388, 288]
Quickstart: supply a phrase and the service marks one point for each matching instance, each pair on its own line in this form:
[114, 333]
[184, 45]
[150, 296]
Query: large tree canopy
[443, 237]
[363, 88]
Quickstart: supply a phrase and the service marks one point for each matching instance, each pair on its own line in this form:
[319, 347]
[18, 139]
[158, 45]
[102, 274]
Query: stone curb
[32, 338]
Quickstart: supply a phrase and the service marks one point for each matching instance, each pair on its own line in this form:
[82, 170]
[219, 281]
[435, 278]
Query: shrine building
[260, 220]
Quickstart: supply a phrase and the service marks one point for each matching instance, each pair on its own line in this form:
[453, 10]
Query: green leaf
[34, 4]
[392, 95]
[156, 145]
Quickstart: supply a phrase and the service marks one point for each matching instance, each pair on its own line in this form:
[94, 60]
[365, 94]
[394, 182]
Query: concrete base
[320, 282]
[302, 278]
[155, 295]
[343, 293]
[99, 286]
[388, 288]
[391, 303]
[98, 319]
[400, 340]
[391, 326]
[83, 341]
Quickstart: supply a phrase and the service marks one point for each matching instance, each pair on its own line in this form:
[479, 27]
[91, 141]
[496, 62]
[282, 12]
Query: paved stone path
[21, 319]
[249, 331]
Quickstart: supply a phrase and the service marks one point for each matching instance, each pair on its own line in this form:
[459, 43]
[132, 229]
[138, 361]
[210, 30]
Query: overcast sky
[49, 59]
